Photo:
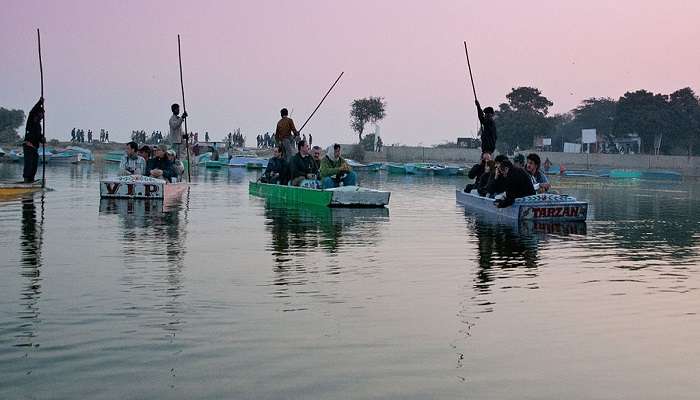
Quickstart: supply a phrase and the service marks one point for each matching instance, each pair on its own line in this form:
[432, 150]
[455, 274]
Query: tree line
[674, 119]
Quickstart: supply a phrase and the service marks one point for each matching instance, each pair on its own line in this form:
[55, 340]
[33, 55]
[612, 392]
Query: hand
[477, 103]
[41, 100]
[185, 137]
[184, 115]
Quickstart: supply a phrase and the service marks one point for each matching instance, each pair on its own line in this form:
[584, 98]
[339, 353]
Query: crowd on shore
[78, 135]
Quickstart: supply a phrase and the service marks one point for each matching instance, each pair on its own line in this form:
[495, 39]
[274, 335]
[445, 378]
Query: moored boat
[113, 156]
[539, 207]
[625, 174]
[243, 161]
[394, 168]
[215, 164]
[661, 175]
[344, 196]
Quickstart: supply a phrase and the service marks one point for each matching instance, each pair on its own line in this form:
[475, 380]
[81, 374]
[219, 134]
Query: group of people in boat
[499, 177]
[507, 180]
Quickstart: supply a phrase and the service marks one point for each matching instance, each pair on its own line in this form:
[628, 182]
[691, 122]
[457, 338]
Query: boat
[538, 207]
[243, 161]
[15, 156]
[2, 153]
[85, 154]
[586, 173]
[625, 174]
[255, 165]
[13, 189]
[140, 187]
[394, 168]
[554, 169]
[662, 175]
[62, 157]
[114, 156]
[409, 169]
[446, 170]
[344, 196]
[215, 164]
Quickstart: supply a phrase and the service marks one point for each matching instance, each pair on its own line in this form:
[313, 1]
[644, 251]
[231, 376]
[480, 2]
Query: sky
[113, 64]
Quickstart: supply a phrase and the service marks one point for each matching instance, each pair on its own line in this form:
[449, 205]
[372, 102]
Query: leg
[31, 163]
[327, 183]
[350, 179]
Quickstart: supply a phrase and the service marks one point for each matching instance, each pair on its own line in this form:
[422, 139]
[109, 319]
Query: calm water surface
[224, 295]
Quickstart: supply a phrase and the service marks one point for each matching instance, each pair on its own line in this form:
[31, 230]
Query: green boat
[254, 165]
[113, 156]
[215, 164]
[344, 196]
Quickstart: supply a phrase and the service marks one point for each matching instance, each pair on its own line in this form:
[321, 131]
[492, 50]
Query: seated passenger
[539, 179]
[214, 153]
[301, 166]
[335, 170]
[277, 170]
[159, 166]
[477, 171]
[145, 152]
[516, 182]
[487, 178]
[177, 165]
[132, 163]
[316, 156]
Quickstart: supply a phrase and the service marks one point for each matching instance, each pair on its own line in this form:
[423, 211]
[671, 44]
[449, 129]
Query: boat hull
[156, 189]
[541, 207]
[11, 189]
[345, 196]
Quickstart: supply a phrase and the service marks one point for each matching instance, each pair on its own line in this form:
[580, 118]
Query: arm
[327, 169]
[475, 171]
[293, 128]
[480, 112]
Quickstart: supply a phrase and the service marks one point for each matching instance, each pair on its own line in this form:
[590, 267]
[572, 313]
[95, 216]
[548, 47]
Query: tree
[523, 118]
[10, 121]
[646, 114]
[371, 109]
[685, 108]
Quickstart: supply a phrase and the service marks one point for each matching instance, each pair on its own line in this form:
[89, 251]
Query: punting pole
[43, 120]
[184, 110]
[321, 102]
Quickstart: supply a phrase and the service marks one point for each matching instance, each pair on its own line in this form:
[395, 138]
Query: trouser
[31, 163]
[179, 149]
[349, 179]
[288, 145]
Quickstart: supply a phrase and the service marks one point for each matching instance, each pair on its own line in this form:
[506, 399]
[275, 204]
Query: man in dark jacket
[160, 166]
[302, 165]
[517, 182]
[277, 169]
[488, 133]
[477, 171]
[33, 138]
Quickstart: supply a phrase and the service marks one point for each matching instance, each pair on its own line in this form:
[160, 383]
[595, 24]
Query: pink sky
[113, 65]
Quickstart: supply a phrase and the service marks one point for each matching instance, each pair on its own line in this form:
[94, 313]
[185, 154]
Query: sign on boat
[140, 187]
[539, 207]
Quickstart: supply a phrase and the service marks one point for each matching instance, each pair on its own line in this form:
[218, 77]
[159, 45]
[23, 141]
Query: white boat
[539, 207]
[140, 187]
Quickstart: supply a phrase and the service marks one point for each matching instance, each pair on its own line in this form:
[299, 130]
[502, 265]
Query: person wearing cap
[335, 170]
[176, 131]
[33, 138]
[177, 164]
[132, 163]
[286, 133]
[159, 166]
[488, 131]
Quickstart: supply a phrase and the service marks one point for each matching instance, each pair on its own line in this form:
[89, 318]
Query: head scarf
[330, 153]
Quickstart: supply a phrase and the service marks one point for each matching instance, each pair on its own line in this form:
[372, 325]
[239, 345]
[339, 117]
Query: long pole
[43, 120]
[184, 110]
[321, 102]
[470, 69]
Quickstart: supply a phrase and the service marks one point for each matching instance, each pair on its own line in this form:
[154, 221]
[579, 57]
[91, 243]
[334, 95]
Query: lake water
[226, 296]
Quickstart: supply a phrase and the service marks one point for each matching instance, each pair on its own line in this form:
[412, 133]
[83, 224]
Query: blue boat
[394, 168]
[661, 175]
[85, 154]
[243, 161]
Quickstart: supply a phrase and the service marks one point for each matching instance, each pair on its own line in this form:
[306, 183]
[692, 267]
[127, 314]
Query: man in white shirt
[176, 131]
[132, 163]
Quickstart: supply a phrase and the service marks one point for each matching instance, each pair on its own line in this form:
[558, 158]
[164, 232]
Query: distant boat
[13, 189]
[215, 164]
[625, 174]
[114, 156]
[394, 168]
[243, 161]
[662, 175]
[86, 155]
[15, 156]
[447, 170]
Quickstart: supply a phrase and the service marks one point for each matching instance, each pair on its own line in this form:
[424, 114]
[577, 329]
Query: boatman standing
[176, 131]
[488, 131]
[285, 134]
[32, 140]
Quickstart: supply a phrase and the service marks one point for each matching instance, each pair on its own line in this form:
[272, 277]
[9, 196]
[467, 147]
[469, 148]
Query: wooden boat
[344, 196]
[13, 189]
[394, 168]
[140, 187]
[539, 207]
[114, 156]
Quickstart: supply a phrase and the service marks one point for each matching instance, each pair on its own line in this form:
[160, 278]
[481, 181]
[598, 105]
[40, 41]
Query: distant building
[469, 143]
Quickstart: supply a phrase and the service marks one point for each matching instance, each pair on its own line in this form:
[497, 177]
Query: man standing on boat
[488, 131]
[176, 131]
[286, 133]
[33, 138]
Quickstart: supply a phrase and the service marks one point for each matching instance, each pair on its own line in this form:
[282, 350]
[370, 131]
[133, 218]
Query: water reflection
[153, 240]
[31, 263]
[298, 231]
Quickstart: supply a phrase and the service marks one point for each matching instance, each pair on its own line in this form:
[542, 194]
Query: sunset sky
[113, 64]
